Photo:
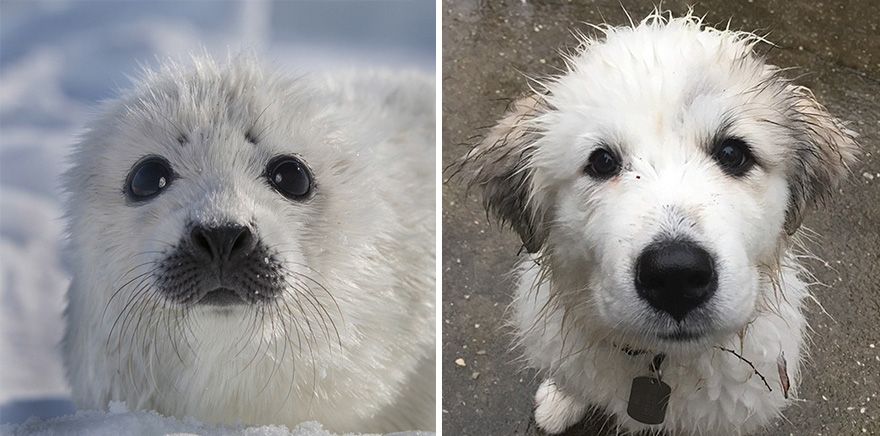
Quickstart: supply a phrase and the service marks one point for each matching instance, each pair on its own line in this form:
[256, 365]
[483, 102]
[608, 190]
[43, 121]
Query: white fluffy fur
[657, 93]
[365, 241]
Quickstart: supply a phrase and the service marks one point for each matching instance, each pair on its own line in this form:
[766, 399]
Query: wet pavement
[489, 47]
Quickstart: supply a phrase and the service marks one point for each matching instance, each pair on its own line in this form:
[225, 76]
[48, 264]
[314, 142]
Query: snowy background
[59, 58]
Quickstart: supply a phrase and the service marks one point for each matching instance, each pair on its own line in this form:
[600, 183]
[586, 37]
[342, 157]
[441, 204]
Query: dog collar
[631, 352]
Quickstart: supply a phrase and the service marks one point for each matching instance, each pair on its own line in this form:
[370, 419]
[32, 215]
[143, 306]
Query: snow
[58, 59]
[119, 420]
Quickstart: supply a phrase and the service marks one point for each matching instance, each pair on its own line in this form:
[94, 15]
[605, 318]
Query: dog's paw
[554, 410]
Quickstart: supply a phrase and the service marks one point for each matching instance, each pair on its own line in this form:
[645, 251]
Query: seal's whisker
[244, 340]
[263, 338]
[323, 288]
[304, 291]
[121, 288]
[275, 358]
[124, 310]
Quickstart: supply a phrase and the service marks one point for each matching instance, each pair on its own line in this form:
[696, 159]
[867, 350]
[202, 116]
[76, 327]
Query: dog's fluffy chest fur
[712, 390]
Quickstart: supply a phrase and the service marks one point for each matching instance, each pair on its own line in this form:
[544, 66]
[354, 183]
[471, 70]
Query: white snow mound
[118, 420]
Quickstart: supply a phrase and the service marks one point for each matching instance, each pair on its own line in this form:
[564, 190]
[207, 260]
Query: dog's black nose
[222, 243]
[675, 276]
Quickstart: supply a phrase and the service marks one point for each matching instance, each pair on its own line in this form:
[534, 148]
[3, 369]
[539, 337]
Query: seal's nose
[222, 243]
[675, 276]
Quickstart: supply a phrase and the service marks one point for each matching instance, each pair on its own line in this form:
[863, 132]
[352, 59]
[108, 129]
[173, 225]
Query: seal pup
[659, 184]
[252, 248]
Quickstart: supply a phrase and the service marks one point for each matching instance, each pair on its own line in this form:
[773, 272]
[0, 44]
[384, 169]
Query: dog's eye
[148, 178]
[602, 164]
[734, 156]
[290, 177]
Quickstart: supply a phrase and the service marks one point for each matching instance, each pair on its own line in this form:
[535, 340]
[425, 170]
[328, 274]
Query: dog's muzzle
[675, 276]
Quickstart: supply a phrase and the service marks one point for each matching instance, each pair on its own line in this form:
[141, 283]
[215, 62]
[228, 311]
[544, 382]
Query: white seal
[251, 248]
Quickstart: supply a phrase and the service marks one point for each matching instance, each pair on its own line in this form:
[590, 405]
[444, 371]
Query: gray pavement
[488, 46]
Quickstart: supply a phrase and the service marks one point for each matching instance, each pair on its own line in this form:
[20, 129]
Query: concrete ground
[488, 47]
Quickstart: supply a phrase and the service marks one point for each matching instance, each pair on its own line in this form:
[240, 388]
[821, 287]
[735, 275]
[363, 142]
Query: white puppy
[658, 183]
[252, 248]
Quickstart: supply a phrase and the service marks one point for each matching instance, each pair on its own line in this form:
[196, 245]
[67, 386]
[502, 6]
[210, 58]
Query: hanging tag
[648, 399]
[649, 396]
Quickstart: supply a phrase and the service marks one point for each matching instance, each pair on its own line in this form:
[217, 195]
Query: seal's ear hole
[502, 168]
[251, 137]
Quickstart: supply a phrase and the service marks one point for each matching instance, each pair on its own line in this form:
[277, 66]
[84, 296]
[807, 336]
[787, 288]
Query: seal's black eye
[734, 156]
[290, 177]
[602, 164]
[148, 178]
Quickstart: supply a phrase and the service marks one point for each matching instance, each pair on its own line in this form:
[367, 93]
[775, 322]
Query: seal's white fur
[353, 346]
[659, 94]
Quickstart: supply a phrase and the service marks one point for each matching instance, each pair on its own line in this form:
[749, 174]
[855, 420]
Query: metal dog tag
[648, 399]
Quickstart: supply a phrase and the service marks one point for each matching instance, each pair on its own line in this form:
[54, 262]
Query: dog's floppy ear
[824, 148]
[501, 165]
